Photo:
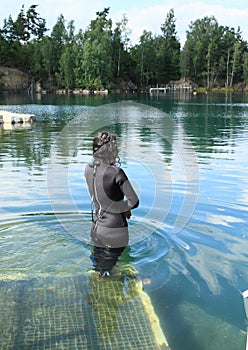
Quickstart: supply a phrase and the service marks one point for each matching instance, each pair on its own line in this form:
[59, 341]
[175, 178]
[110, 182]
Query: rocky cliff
[13, 80]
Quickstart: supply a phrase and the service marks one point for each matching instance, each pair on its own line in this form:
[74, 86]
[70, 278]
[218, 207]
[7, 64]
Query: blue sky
[141, 14]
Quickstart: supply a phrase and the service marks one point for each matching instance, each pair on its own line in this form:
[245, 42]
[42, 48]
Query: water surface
[186, 156]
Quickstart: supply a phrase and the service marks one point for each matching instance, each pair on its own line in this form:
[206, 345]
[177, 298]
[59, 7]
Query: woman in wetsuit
[113, 197]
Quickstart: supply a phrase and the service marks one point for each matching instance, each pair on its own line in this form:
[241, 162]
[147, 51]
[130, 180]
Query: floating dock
[15, 118]
[80, 312]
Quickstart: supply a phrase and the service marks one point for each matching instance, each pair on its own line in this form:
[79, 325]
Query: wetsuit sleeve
[132, 200]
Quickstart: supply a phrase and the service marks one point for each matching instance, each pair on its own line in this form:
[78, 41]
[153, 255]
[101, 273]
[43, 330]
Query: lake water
[186, 157]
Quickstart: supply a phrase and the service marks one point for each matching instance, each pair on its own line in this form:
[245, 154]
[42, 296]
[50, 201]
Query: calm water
[186, 157]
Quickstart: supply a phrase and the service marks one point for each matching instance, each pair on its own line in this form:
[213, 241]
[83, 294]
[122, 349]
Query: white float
[15, 118]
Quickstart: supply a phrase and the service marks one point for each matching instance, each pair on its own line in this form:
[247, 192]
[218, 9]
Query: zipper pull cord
[93, 194]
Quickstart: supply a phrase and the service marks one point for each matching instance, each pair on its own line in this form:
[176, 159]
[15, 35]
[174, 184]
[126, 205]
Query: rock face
[241, 87]
[13, 80]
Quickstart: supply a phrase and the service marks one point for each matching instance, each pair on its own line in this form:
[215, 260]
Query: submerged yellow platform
[77, 313]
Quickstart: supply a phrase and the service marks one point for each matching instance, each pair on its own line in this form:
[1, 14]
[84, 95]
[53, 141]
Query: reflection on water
[188, 238]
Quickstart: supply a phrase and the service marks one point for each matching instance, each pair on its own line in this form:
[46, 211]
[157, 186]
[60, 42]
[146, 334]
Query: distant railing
[171, 88]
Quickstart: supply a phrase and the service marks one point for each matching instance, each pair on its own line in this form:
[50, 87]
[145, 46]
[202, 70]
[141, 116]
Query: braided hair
[105, 147]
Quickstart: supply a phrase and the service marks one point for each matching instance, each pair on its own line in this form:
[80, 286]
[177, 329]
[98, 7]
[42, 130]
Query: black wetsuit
[113, 196]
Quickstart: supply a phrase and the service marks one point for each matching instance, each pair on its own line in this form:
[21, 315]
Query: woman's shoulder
[89, 169]
[116, 169]
[119, 172]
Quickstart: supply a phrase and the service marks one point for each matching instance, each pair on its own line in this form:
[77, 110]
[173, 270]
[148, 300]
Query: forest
[102, 56]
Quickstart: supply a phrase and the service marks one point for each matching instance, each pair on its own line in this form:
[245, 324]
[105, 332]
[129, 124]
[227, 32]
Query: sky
[142, 14]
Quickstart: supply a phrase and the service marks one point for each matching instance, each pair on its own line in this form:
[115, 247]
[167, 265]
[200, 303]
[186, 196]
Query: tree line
[102, 56]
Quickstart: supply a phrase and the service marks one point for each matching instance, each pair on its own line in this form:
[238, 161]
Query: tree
[12, 51]
[235, 60]
[201, 48]
[78, 51]
[245, 68]
[120, 47]
[52, 49]
[212, 52]
[58, 40]
[67, 60]
[144, 56]
[4, 48]
[35, 24]
[25, 26]
[18, 34]
[169, 50]
[96, 62]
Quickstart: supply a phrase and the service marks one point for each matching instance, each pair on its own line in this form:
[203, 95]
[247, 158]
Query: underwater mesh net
[78, 312]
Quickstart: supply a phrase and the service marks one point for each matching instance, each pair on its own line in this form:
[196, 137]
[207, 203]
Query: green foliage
[16, 35]
[158, 58]
[212, 53]
[67, 60]
[144, 55]
[103, 56]
[245, 68]
[25, 26]
[120, 56]
[96, 62]
[169, 53]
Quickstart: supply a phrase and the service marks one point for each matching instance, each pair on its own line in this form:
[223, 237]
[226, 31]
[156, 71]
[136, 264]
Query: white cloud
[151, 18]
[82, 12]
[225, 16]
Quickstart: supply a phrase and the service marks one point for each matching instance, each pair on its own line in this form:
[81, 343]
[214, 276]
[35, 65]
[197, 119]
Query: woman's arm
[132, 200]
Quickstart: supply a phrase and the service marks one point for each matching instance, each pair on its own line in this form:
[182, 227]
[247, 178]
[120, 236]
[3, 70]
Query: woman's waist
[110, 219]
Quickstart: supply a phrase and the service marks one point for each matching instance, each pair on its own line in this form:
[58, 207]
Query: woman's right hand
[128, 214]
